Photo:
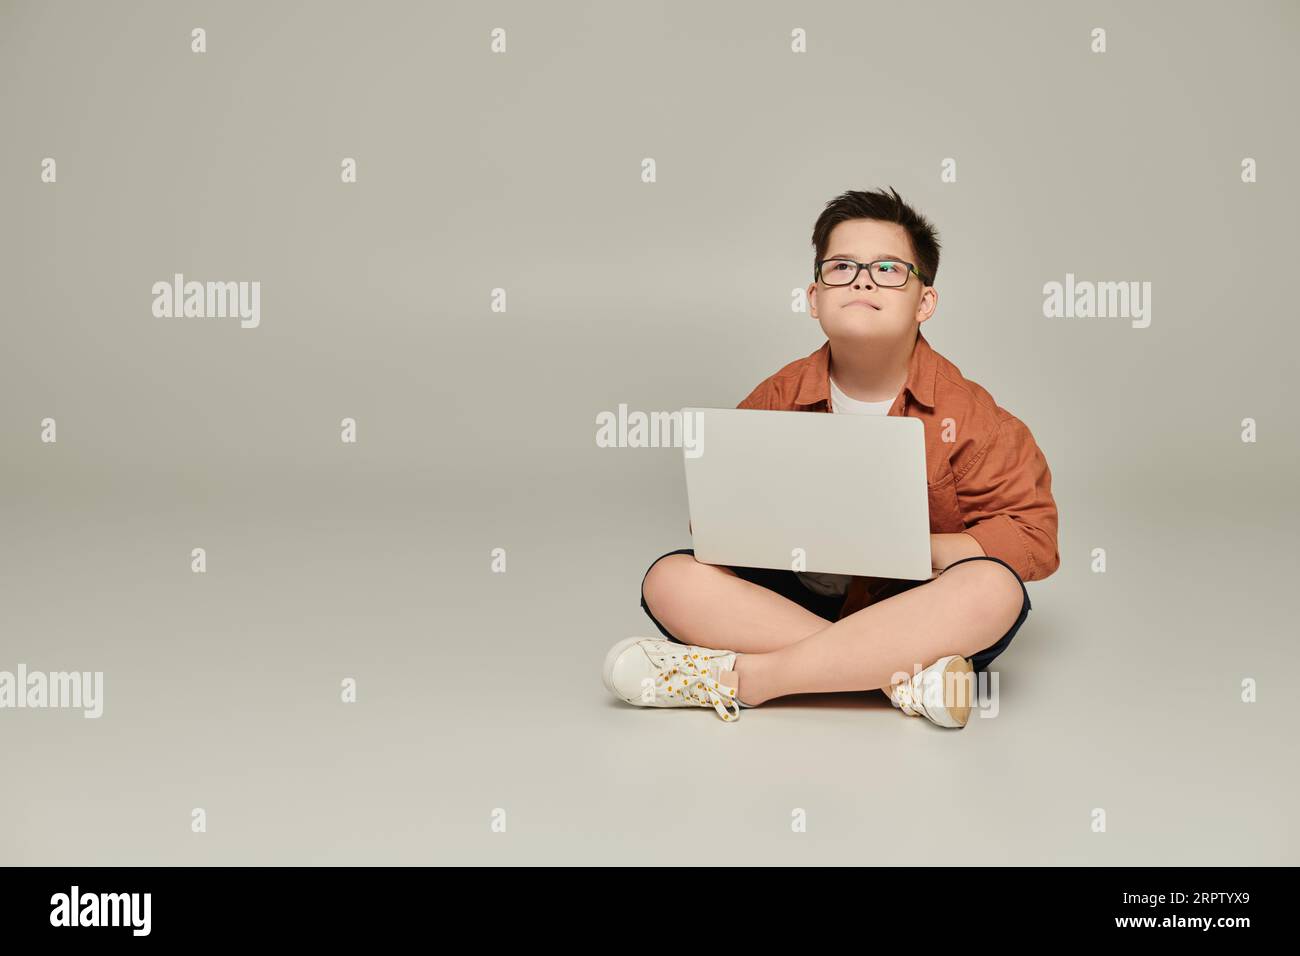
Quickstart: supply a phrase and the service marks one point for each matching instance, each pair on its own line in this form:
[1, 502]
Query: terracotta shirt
[989, 479]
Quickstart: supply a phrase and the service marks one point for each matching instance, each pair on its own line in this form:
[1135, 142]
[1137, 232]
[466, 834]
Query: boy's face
[889, 313]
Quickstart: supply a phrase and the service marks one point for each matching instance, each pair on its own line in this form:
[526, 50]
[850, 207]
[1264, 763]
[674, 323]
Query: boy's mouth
[863, 302]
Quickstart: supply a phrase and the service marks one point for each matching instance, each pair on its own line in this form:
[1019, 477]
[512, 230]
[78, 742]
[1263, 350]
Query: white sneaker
[656, 672]
[943, 692]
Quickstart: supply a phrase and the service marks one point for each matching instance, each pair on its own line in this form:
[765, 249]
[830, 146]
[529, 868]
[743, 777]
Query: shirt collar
[814, 380]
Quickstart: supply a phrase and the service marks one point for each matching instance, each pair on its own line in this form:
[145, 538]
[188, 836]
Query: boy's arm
[946, 549]
[760, 397]
[1006, 497]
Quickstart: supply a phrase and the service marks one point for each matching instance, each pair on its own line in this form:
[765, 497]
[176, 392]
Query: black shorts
[788, 585]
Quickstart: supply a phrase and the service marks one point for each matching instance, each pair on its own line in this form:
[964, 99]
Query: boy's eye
[888, 266]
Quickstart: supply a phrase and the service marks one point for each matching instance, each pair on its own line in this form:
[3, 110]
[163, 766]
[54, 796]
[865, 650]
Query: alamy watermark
[1084, 299]
[624, 429]
[979, 691]
[208, 300]
[76, 908]
[80, 690]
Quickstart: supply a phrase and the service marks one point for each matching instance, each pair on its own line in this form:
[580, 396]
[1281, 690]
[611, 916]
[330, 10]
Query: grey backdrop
[476, 429]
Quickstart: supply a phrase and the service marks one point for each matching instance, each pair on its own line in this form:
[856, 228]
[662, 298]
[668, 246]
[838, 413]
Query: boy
[736, 637]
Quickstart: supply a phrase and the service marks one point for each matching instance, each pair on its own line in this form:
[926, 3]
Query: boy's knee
[993, 589]
[664, 574]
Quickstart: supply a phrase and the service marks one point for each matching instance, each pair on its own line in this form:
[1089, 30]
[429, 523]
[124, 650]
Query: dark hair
[886, 207]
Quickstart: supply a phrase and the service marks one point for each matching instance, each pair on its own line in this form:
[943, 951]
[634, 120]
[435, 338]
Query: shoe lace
[691, 676]
[909, 697]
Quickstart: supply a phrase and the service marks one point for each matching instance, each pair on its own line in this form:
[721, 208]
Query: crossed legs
[786, 649]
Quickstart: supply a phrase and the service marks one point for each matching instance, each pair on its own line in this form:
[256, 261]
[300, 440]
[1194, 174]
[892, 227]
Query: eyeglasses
[890, 273]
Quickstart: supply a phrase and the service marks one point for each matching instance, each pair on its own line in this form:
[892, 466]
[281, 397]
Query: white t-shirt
[824, 582]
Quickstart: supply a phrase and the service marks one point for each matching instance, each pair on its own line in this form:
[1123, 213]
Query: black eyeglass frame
[911, 270]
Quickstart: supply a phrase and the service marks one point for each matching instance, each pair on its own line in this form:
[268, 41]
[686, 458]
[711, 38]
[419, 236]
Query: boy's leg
[712, 606]
[967, 608]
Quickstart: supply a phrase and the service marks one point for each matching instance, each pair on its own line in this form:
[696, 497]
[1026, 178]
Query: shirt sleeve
[758, 398]
[1006, 500]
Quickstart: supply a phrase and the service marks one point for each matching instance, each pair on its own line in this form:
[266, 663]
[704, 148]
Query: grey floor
[480, 692]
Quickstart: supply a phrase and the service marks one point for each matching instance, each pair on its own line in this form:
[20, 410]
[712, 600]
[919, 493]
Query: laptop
[850, 490]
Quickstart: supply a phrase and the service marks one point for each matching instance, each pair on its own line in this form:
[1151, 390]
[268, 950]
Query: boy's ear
[929, 302]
